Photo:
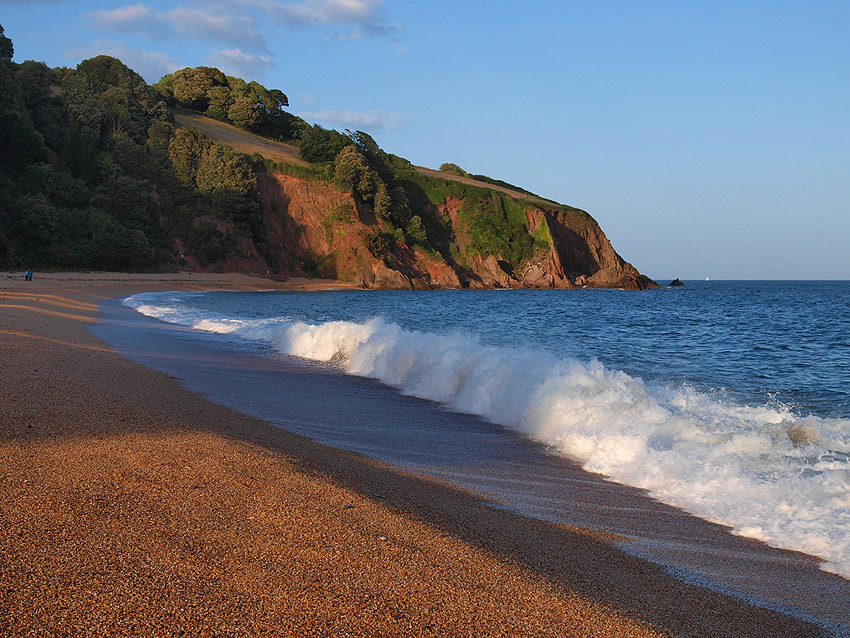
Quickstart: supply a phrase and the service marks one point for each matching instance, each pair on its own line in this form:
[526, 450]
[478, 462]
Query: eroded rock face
[582, 254]
[313, 229]
[380, 277]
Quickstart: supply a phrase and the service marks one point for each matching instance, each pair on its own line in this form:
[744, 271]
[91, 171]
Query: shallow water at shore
[741, 422]
[513, 471]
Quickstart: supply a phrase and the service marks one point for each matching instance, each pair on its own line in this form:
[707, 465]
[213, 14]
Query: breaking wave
[764, 471]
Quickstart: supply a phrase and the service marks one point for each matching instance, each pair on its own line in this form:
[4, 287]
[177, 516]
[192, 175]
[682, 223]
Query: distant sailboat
[706, 278]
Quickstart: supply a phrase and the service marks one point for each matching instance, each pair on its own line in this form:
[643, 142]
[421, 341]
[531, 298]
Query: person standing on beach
[28, 275]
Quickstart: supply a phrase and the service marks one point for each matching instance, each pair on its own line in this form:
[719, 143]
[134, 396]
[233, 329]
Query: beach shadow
[517, 501]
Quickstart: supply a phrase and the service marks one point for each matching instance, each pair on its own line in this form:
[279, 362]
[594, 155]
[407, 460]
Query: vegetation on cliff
[96, 173]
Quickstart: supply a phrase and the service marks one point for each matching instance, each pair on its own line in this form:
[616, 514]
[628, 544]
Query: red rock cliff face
[581, 255]
[314, 229]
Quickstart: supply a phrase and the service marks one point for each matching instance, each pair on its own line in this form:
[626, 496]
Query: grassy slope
[241, 141]
[248, 143]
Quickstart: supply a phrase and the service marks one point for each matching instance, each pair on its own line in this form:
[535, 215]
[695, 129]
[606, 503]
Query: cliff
[315, 229]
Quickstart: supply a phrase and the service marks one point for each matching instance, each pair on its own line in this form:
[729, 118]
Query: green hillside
[101, 171]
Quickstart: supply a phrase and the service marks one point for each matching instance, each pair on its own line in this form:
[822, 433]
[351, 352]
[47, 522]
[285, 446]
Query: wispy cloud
[374, 120]
[237, 62]
[136, 18]
[221, 27]
[210, 23]
[366, 16]
[151, 66]
[318, 12]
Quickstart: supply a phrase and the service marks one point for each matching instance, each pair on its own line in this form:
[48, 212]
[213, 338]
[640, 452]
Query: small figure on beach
[28, 275]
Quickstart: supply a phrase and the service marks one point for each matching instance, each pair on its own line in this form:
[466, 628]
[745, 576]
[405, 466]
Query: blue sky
[707, 138]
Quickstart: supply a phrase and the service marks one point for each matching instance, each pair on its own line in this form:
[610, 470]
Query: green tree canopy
[186, 150]
[321, 145]
[191, 86]
[349, 168]
[7, 51]
[453, 169]
[222, 168]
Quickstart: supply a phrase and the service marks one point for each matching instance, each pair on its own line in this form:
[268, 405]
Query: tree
[80, 149]
[222, 168]
[37, 83]
[349, 167]
[314, 144]
[453, 169]
[186, 150]
[243, 113]
[21, 144]
[220, 100]
[129, 202]
[321, 145]
[160, 134]
[36, 80]
[383, 203]
[191, 86]
[416, 231]
[111, 99]
[7, 51]
[114, 247]
[279, 97]
[104, 71]
[39, 220]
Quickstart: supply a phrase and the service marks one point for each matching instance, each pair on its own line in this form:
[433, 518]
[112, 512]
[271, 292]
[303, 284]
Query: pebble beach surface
[132, 507]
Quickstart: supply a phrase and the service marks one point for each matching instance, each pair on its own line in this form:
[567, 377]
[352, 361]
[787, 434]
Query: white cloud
[367, 16]
[237, 62]
[374, 120]
[150, 65]
[211, 23]
[319, 12]
[123, 15]
[135, 18]
[221, 27]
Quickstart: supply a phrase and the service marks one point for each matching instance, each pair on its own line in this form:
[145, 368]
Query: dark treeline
[94, 174]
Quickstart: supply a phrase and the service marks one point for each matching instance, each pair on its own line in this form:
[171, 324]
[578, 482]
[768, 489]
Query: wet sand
[132, 506]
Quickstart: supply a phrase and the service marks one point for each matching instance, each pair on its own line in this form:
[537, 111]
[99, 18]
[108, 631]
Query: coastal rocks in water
[380, 277]
[535, 275]
[491, 274]
[676, 283]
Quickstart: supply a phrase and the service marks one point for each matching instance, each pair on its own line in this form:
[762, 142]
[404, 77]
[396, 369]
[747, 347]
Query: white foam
[763, 471]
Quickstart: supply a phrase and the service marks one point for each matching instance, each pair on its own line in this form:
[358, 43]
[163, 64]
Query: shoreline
[137, 506]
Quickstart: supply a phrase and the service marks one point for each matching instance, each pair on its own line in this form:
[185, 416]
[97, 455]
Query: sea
[727, 401]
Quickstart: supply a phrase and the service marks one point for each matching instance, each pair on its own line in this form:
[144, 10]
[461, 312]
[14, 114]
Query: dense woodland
[94, 174]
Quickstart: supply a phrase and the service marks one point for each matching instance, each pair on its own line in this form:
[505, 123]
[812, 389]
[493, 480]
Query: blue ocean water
[730, 400]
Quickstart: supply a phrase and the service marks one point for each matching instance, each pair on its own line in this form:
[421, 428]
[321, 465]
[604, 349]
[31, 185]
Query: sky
[707, 138]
